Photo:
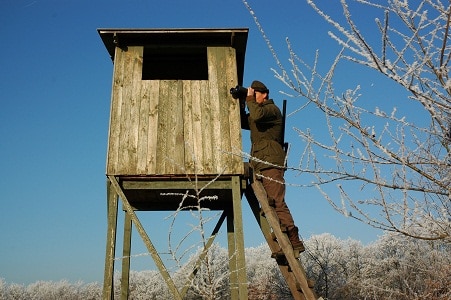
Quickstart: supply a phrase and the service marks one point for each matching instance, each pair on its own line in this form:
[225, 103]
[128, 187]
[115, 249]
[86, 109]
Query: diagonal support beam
[150, 247]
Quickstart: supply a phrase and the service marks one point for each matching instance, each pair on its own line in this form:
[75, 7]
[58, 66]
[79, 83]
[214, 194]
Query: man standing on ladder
[265, 123]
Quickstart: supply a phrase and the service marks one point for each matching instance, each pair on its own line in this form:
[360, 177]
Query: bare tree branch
[389, 172]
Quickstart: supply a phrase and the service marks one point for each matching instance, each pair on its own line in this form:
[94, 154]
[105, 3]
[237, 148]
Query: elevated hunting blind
[171, 111]
[175, 130]
[173, 127]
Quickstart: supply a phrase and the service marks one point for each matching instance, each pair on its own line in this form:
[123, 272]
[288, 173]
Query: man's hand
[250, 91]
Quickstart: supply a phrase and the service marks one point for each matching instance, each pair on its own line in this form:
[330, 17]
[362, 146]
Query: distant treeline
[393, 267]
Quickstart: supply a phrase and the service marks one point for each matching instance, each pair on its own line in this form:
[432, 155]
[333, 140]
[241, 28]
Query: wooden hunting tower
[174, 127]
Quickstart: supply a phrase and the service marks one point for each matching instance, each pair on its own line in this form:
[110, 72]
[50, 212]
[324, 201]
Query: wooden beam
[239, 238]
[112, 207]
[216, 184]
[126, 251]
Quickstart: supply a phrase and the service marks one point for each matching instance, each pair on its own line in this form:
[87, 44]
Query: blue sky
[55, 84]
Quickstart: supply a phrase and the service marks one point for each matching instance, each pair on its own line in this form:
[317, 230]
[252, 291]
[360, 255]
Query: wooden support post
[237, 263]
[239, 234]
[112, 205]
[231, 246]
[126, 251]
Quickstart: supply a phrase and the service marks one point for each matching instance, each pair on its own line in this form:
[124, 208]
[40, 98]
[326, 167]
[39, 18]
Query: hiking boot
[298, 246]
[296, 243]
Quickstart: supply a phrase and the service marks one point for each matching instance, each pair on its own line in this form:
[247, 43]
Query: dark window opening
[177, 63]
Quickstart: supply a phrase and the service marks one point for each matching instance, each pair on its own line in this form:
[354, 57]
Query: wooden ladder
[287, 259]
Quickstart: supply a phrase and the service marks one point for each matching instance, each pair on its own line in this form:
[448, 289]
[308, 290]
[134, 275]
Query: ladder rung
[282, 261]
[273, 236]
[310, 283]
[280, 252]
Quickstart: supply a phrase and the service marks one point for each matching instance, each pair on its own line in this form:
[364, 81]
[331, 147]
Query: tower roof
[182, 37]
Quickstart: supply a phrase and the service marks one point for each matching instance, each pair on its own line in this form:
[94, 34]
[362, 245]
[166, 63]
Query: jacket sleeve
[261, 113]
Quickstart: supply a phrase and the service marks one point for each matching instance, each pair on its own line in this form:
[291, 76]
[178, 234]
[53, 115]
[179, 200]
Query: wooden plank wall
[174, 127]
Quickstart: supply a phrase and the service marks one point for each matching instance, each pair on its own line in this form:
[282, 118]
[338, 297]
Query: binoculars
[238, 92]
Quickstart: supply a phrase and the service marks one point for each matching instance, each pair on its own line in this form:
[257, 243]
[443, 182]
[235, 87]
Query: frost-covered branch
[388, 166]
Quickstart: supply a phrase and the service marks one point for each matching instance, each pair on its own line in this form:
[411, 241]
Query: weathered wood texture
[174, 127]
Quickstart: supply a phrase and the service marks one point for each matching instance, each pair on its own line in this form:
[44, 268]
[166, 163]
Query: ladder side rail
[273, 245]
[283, 241]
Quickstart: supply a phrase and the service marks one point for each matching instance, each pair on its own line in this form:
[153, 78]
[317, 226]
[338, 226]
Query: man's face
[260, 97]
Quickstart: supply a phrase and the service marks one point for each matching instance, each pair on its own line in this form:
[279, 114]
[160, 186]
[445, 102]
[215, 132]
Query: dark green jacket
[265, 123]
